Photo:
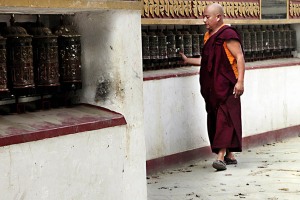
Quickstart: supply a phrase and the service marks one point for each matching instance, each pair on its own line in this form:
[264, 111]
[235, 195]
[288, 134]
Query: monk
[222, 84]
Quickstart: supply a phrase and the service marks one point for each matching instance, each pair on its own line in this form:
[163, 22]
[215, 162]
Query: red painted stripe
[173, 73]
[166, 162]
[68, 124]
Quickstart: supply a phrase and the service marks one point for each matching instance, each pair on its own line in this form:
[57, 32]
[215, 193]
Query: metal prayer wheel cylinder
[162, 46]
[259, 38]
[19, 57]
[271, 37]
[283, 37]
[187, 44]
[145, 50]
[171, 48]
[294, 38]
[246, 42]
[277, 38]
[253, 41]
[171, 45]
[45, 56]
[153, 46]
[195, 44]
[259, 42]
[266, 39]
[288, 37]
[3, 68]
[179, 43]
[69, 48]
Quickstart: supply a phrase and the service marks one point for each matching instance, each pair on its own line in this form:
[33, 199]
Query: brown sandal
[219, 165]
[230, 161]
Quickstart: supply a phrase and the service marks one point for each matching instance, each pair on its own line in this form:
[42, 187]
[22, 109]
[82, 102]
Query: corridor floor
[269, 172]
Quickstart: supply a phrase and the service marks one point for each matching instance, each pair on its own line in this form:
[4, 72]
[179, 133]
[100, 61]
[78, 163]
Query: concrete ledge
[194, 70]
[170, 161]
[33, 126]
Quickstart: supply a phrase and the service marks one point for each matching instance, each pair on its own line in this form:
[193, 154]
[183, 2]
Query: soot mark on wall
[103, 89]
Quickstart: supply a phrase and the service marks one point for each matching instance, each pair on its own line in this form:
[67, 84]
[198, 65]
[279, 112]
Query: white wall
[78, 166]
[175, 116]
[107, 164]
[113, 79]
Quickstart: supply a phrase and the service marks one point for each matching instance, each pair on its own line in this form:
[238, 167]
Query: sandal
[219, 165]
[230, 161]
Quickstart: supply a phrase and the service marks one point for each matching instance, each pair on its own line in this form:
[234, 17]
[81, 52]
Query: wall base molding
[170, 161]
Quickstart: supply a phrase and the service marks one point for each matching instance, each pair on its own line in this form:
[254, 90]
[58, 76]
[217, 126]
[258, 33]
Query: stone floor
[269, 172]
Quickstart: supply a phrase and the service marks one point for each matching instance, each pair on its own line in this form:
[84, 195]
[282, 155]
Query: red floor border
[159, 164]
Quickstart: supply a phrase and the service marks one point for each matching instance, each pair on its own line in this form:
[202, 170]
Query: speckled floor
[269, 172]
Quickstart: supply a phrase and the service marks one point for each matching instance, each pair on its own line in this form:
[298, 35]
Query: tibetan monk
[222, 84]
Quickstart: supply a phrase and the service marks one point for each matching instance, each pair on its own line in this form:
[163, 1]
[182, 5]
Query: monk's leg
[221, 154]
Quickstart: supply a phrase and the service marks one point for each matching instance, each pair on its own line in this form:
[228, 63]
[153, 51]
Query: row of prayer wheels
[262, 42]
[36, 61]
[161, 48]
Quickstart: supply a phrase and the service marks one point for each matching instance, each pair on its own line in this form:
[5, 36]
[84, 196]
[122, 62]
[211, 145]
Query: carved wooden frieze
[189, 9]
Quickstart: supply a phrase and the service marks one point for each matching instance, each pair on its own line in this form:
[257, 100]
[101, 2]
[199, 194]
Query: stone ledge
[33, 126]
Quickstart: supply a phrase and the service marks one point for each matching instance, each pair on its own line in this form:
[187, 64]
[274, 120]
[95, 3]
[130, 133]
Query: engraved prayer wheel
[253, 39]
[145, 50]
[154, 51]
[271, 39]
[259, 42]
[162, 49]
[246, 42]
[45, 56]
[195, 44]
[19, 57]
[179, 47]
[266, 42]
[171, 48]
[278, 41]
[187, 44]
[3, 68]
[69, 49]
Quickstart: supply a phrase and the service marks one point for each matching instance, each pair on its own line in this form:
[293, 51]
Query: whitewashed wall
[175, 117]
[106, 164]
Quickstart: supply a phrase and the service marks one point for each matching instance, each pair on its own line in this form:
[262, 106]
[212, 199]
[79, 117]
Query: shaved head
[216, 9]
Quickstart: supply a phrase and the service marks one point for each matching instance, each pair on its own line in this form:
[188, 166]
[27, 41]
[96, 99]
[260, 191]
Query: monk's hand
[238, 89]
[184, 58]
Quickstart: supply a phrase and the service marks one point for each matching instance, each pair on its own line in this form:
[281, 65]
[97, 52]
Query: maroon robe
[217, 82]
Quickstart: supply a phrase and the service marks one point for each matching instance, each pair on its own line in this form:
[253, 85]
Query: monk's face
[211, 18]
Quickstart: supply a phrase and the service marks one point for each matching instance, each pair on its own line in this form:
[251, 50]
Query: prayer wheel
[266, 42]
[45, 56]
[278, 41]
[145, 50]
[271, 40]
[246, 42]
[171, 48]
[195, 44]
[253, 39]
[179, 46]
[154, 51]
[69, 49]
[259, 42]
[187, 44]
[162, 50]
[19, 57]
[3, 68]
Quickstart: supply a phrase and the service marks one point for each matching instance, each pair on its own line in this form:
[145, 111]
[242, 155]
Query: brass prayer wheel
[195, 44]
[187, 44]
[145, 50]
[45, 56]
[19, 57]
[3, 68]
[171, 48]
[69, 49]
[162, 48]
